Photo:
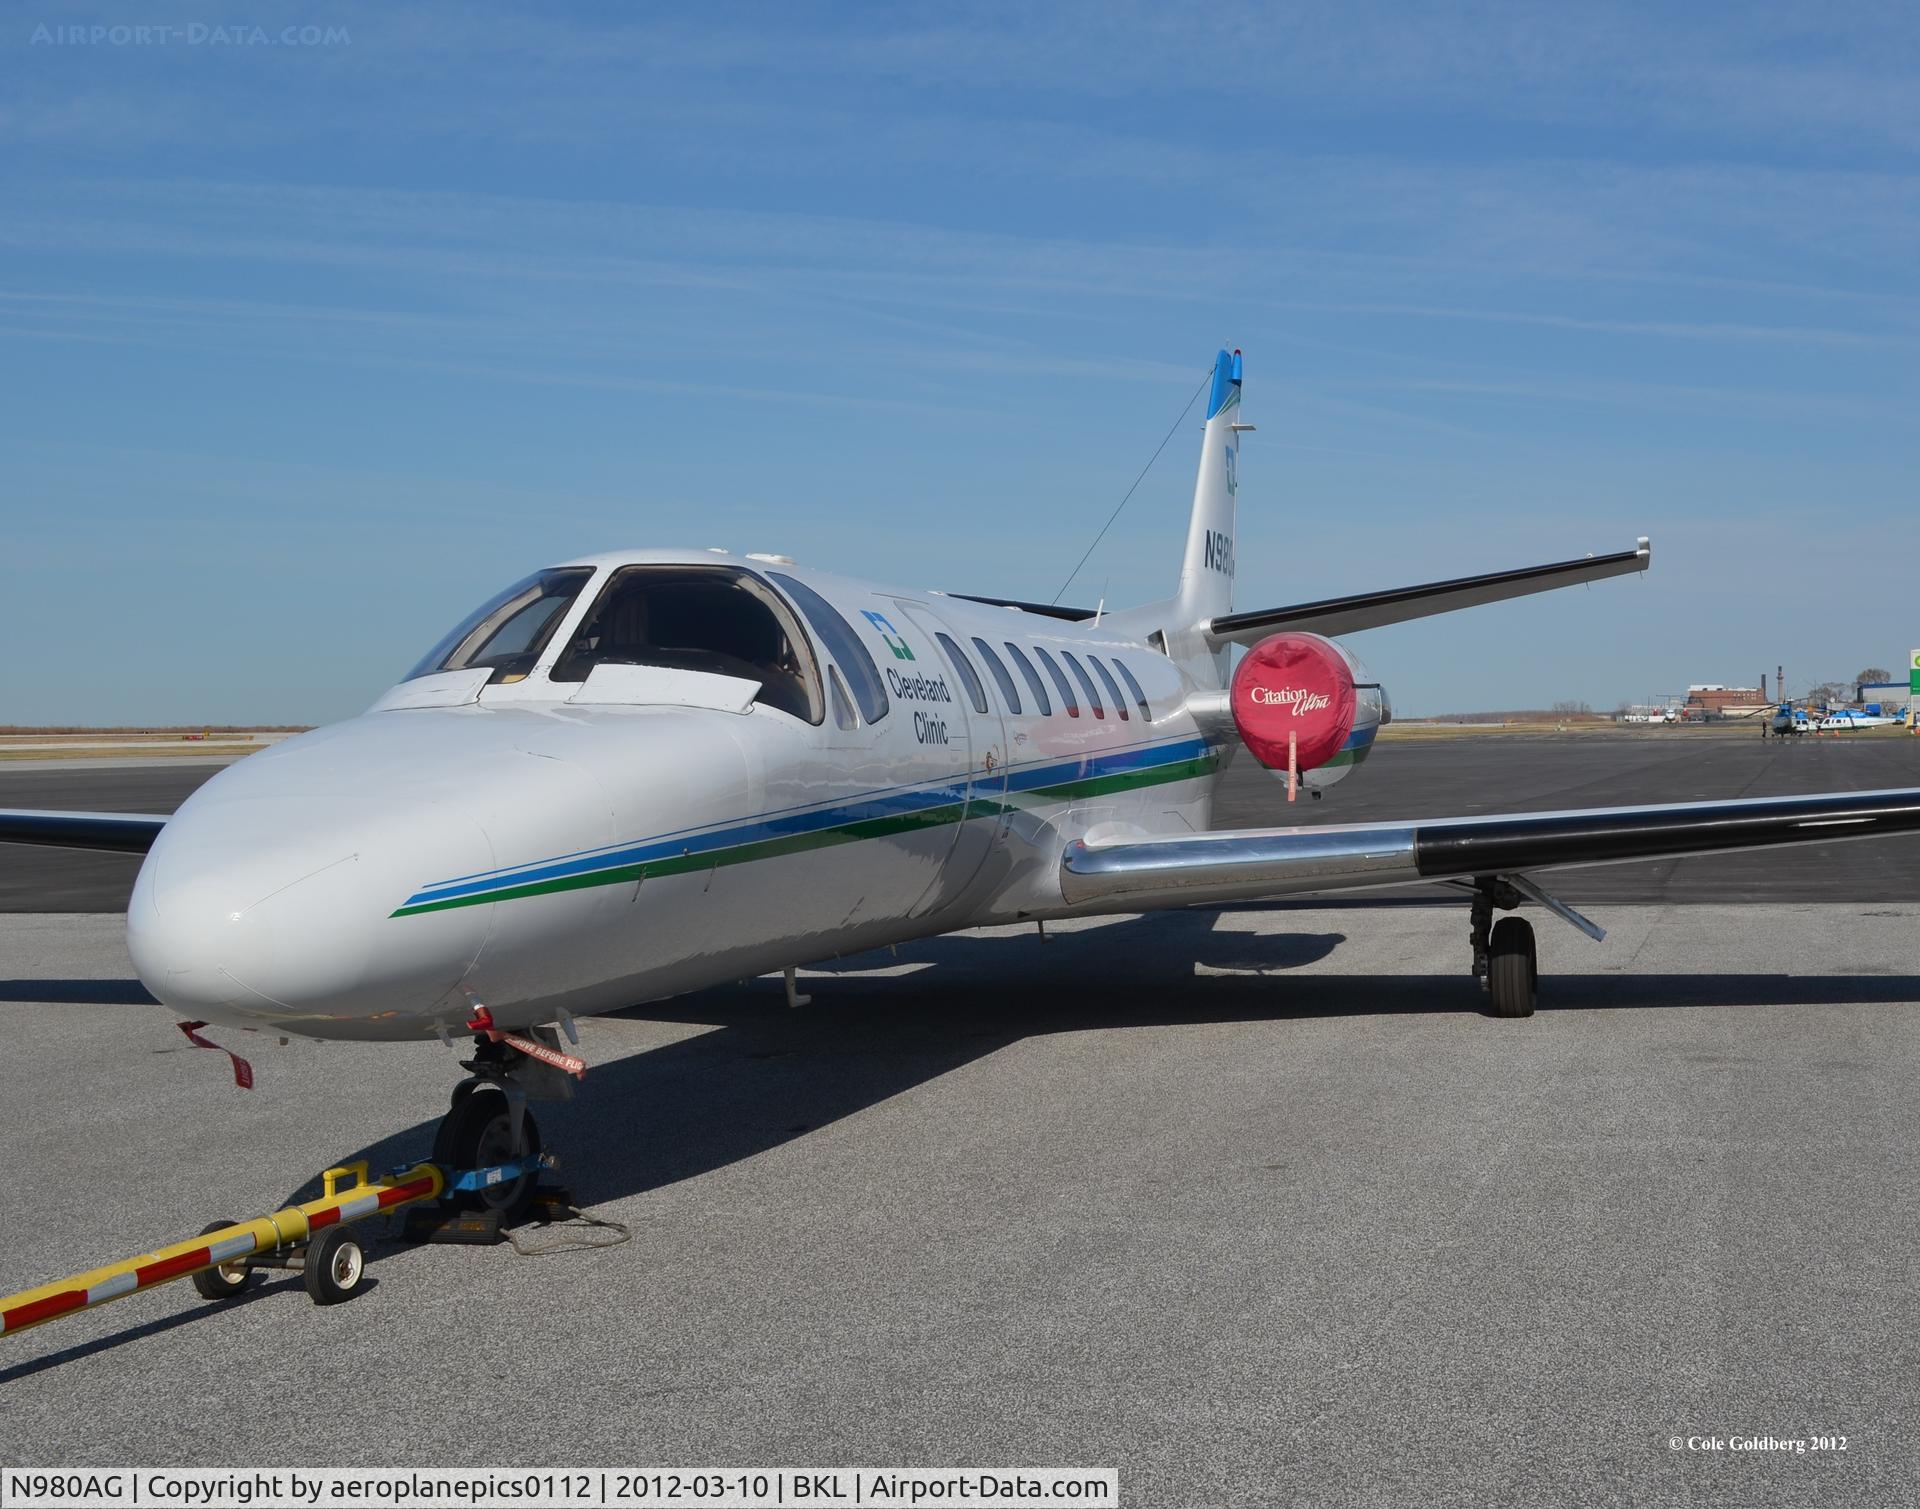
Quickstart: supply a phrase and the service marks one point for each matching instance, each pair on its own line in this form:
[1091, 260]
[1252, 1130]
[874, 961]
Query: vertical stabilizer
[1177, 624]
[1206, 572]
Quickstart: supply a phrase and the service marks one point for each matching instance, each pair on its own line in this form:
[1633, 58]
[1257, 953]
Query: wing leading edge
[1249, 863]
[113, 832]
[1373, 610]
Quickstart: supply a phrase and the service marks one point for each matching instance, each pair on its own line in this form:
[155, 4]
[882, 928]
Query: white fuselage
[544, 846]
[1845, 722]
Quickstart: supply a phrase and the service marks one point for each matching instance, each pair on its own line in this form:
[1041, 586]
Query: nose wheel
[489, 1125]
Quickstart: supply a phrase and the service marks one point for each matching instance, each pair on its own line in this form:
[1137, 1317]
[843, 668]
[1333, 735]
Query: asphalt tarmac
[1251, 1204]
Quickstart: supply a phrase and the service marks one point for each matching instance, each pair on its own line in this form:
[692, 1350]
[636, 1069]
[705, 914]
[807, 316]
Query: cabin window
[1000, 677]
[963, 668]
[1067, 699]
[1112, 686]
[869, 691]
[507, 632]
[716, 619]
[1139, 693]
[1080, 675]
[1034, 684]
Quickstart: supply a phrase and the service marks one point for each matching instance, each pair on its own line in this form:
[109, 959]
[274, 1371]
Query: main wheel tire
[334, 1267]
[1513, 968]
[228, 1280]
[478, 1133]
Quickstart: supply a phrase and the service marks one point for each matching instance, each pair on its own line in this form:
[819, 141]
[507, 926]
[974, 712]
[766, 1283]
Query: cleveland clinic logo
[1298, 698]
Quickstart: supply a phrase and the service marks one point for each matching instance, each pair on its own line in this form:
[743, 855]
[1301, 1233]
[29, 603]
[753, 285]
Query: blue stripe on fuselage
[884, 803]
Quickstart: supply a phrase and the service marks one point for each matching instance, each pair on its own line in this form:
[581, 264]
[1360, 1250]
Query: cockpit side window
[507, 632]
[842, 644]
[716, 619]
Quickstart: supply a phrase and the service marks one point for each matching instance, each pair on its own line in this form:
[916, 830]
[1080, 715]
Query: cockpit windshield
[717, 619]
[507, 632]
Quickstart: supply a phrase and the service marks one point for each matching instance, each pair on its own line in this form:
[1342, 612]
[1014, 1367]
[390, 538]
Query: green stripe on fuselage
[846, 833]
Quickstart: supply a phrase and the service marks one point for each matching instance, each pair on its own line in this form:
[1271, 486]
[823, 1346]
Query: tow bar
[224, 1260]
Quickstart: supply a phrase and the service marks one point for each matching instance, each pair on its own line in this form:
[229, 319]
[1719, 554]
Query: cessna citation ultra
[647, 772]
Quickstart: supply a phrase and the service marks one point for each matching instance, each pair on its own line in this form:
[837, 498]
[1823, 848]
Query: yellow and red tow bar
[222, 1258]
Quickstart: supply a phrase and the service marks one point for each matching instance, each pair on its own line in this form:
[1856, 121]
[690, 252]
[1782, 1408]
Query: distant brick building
[1713, 701]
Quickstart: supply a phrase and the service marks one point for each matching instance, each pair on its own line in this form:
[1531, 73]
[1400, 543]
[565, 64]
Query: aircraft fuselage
[542, 846]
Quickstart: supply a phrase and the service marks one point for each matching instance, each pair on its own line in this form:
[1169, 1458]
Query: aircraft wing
[1371, 610]
[1249, 863]
[117, 832]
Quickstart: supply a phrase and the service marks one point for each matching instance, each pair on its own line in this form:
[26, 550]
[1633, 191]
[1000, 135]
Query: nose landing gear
[488, 1127]
[488, 1141]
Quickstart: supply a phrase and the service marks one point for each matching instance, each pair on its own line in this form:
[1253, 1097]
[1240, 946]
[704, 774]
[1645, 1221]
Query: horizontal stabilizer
[116, 832]
[1243, 864]
[1373, 610]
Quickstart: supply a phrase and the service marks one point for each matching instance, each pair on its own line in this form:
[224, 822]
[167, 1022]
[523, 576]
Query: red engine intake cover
[1297, 684]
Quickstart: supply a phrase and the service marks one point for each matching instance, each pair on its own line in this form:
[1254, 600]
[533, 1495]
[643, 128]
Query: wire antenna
[1136, 485]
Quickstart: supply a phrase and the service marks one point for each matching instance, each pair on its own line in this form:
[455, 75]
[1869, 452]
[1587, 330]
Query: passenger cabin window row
[724, 620]
[1070, 700]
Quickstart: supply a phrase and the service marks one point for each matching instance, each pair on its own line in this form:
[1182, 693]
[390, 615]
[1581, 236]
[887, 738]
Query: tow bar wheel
[228, 1280]
[334, 1267]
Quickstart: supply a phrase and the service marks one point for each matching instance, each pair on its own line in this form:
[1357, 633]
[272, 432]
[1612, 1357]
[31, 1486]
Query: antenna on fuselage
[1136, 484]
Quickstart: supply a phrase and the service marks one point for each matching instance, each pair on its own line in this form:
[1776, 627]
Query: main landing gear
[1505, 960]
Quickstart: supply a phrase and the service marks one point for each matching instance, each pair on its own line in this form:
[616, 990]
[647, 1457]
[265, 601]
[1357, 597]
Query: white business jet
[646, 772]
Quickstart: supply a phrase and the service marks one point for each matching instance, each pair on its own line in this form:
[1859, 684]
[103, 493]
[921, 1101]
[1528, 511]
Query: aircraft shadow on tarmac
[880, 1024]
[77, 992]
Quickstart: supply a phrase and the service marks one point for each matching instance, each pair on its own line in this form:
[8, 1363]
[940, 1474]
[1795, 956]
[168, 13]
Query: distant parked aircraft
[1847, 719]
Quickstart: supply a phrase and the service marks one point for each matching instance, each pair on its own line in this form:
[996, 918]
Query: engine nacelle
[1314, 690]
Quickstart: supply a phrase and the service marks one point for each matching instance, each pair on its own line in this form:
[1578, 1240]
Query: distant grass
[108, 751]
[130, 730]
[1494, 730]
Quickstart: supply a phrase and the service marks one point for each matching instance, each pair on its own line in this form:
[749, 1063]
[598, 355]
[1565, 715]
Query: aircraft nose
[263, 909]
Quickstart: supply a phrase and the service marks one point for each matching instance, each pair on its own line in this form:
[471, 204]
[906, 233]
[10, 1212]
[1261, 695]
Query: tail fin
[1206, 575]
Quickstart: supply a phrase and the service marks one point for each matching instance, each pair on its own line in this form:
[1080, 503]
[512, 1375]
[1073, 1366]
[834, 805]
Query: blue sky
[308, 346]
